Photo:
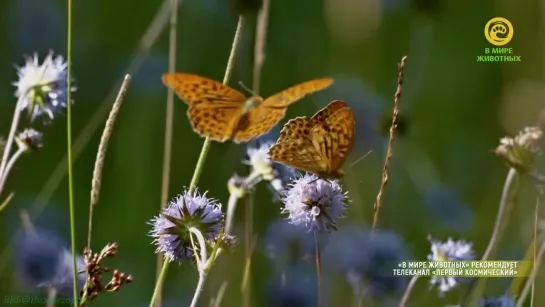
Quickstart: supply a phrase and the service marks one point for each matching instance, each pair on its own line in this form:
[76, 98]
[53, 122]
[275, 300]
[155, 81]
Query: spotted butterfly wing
[320, 144]
[264, 117]
[214, 108]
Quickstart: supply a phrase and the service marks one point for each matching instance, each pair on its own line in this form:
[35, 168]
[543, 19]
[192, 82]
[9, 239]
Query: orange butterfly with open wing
[221, 113]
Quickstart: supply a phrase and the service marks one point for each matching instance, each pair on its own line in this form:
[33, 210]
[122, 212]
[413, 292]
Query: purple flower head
[449, 251]
[43, 88]
[43, 260]
[315, 203]
[171, 228]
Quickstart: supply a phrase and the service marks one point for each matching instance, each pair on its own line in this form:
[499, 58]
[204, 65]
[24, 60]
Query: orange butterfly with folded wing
[319, 144]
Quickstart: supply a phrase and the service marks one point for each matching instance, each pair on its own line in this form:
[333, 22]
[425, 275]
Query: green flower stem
[231, 208]
[500, 220]
[9, 142]
[318, 258]
[253, 178]
[408, 291]
[226, 77]
[532, 277]
[169, 119]
[531, 255]
[202, 158]
[160, 280]
[69, 153]
[203, 274]
[202, 264]
[5, 203]
[202, 246]
[10, 164]
[51, 296]
[508, 193]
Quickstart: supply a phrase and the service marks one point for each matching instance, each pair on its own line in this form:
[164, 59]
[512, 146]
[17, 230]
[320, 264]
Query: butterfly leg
[324, 179]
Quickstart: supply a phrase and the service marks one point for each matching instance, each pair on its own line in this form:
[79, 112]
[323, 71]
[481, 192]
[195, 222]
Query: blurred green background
[444, 179]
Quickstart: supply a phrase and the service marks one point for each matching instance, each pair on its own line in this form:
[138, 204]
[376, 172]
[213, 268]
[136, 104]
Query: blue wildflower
[314, 202]
[449, 251]
[42, 88]
[43, 260]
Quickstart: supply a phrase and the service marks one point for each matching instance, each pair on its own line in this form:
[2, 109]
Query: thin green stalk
[69, 151]
[499, 224]
[228, 71]
[517, 284]
[204, 274]
[532, 276]
[51, 296]
[147, 41]
[318, 267]
[230, 215]
[3, 205]
[204, 151]
[536, 226]
[408, 291]
[160, 279]
[248, 234]
[221, 293]
[247, 269]
[9, 166]
[508, 193]
[9, 142]
[259, 58]
[202, 264]
[169, 118]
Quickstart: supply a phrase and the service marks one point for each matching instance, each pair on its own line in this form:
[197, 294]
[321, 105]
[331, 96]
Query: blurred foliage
[455, 108]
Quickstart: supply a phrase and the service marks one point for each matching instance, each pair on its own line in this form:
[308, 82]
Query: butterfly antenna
[247, 89]
[361, 158]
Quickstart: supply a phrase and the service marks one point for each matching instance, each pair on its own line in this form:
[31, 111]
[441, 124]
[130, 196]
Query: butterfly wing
[326, 112]
[216, 123]
[334, 138]
[194, 90]
[296, 92]
[294, 147]
[214, 108]
[256, 122]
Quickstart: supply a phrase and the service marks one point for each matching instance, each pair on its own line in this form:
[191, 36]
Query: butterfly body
[221, 113]
[319, 144]
[252, 103]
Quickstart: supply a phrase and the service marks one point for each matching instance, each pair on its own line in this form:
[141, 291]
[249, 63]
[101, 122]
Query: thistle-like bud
[29, 139]
[171, 228]
[520, 152]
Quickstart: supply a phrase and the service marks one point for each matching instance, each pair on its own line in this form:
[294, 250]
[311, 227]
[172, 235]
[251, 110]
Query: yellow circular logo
[498, 31]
